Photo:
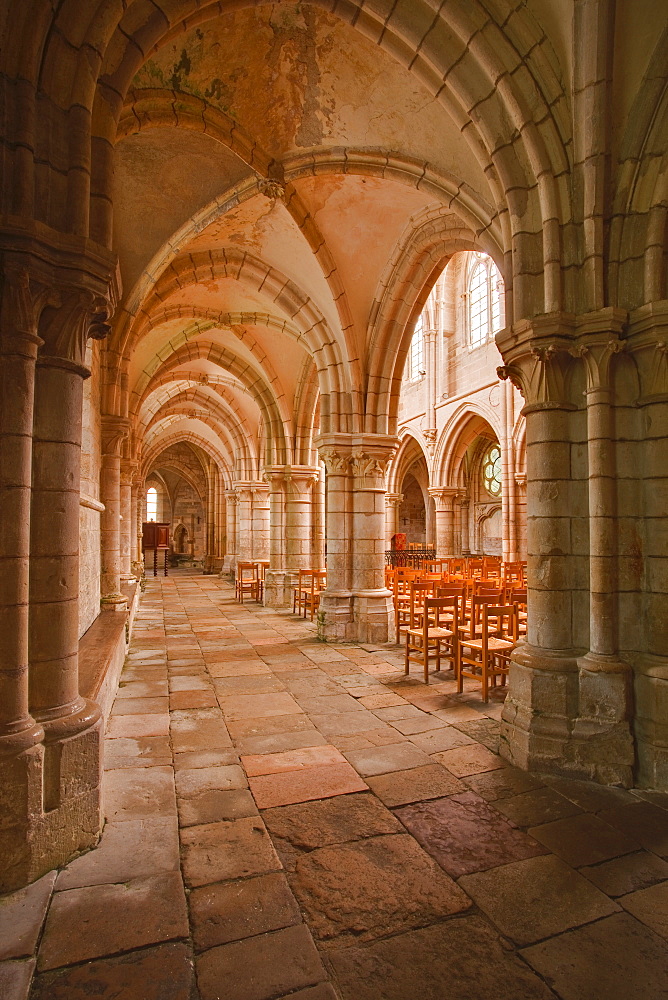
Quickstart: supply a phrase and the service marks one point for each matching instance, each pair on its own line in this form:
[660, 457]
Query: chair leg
[406, 665]
[425, 652]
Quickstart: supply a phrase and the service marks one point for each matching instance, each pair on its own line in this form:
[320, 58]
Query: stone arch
[465, 425]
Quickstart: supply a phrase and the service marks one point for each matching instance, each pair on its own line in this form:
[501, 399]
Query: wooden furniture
[488, 657]
[439, 623]
[311, 596]
[155, 538]
[247, 582]
[262, 568]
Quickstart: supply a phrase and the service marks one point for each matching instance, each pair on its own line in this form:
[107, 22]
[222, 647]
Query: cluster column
[21, 737]
[128, 525]
[444, 499]
[336, 602]
[392, 505]
[114, 431]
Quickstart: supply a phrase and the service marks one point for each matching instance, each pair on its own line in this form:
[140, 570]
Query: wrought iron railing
[408, 557]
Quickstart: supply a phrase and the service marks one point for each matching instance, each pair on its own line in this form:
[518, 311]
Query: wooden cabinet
[155, 536]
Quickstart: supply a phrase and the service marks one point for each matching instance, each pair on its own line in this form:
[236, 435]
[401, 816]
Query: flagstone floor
[286, 818]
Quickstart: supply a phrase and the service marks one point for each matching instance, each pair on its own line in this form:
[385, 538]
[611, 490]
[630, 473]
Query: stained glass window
[415, 361]
[491, 471]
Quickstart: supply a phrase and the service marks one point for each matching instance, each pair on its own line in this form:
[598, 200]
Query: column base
[278, 587]
[51, 806]
[335, 617]
[374, 615]
[651, 722]
[568, 714]
[114, 602]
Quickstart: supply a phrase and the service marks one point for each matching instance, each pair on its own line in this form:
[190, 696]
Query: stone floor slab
[190, 781]
[395, 757]
[536, 898]
[469, 760]
[232, 911]
[139, 751]
[231, 849]
[138, 725]
[348, 723]
[465, 834]
[22, 915]
[628, 873]
[259, 706]
[318, 782]
[127, 850]
[15, 978]
[503, 783]
[399, 788]
[139, 793]
[650, 906]
[213, 806]
[371, 888]
[614, 959]
[199, 734]
[584, 840]
[162, 973]
[536, 807]
[444, 738]
[457, 960]
[102, 920]
[291, 760]
[279, 742]
[273, 964]
[140, 706]
[646, 823]
[295, 829]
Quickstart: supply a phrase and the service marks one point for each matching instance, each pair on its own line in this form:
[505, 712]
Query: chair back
[500, 621]
[441, 612]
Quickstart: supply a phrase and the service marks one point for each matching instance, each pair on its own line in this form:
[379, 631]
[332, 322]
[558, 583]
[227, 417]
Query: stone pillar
[430, 430]
[464, 525]
[128, 523]
[138, 513]
[260, 523]
[114, 431]
[67, 818]
[373, 604]
[521, 514]
[508, 546]
[318, 520]
[392, 505]
[565, 711]
[444, 498]
[244, 525]
[336, 603]
[605, 681]
[20, 736]
[274, 582]
[231, 502]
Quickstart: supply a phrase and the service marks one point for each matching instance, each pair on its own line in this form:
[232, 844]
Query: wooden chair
[488, 657]
[311, 596]
[303, 584]
[439, 624]
[247, 582]
[411, 613]
[403, 578]
[262, 568]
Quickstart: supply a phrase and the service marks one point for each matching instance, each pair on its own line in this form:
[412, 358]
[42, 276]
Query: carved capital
[393, 499]
[114, 431]
[444, 496]
[337, 463]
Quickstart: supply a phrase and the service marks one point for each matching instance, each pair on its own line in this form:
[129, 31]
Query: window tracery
[485, 300]
[491, 471]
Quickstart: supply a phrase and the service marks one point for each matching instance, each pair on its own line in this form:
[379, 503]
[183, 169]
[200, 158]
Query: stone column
[128, 519]
[20, 736]
[138, 489]
[444, 498]
[244, 532]
[605, 681]
[336, 603]
[550, 721]
[373, 605]
[464, 525]
[260, 523]
[231, 502]
[114, 432]
[70, 818]
[392, 505]
[521, 514]
[507, 469]
[430, 430]
[318, 520]
[274, 583]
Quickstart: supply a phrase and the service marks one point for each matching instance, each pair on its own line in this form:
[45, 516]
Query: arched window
[152, 504]
[485, 299]
[491, 471]
[415, 360]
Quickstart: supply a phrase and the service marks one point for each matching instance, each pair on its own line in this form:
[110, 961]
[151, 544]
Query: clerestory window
[491, 471]
[415, 360]
[152, 504]
[485, 299]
